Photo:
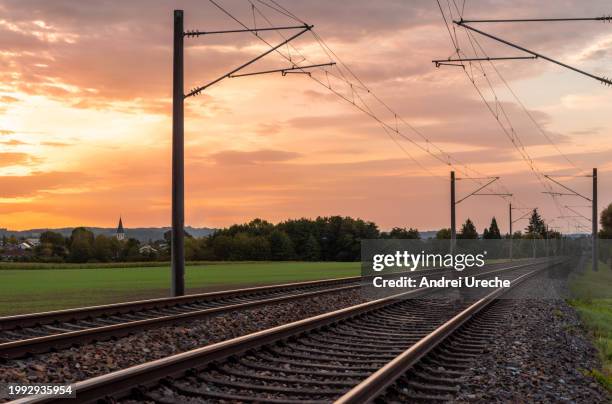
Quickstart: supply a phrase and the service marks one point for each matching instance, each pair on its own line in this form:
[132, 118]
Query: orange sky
[85, 114]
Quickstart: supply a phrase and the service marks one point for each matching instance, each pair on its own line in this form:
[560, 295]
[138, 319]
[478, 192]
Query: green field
[594, 304]
[33, 290]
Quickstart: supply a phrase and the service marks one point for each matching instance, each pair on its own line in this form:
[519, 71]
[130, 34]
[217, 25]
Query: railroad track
[432, 370]
[438, 375]
[40, 332]
[320, 359]
[27, 334]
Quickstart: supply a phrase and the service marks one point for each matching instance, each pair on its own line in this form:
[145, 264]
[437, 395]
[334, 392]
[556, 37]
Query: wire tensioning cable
[360, 85]
[441, 156]
[511, 133]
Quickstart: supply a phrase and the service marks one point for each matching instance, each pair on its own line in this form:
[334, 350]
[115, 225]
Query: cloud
[336, 121]
[593, 158]
[266, 129]
[14, 142]
[99, 74]
[588, 131]
[15, 159]
[37, 182]
[235, 158]
[8, 99]
[600, 49]
[56, 144]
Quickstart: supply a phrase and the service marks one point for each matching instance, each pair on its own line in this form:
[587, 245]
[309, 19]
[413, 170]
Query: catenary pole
[178, 157]
[452, 206]
[510, 223]
[594, 222]
[178, 125]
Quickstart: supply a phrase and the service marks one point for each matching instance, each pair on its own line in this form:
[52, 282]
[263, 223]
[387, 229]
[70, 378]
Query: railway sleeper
[311, 373]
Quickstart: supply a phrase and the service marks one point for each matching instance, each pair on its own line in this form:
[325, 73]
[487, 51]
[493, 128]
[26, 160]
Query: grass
[593, 301]
[97, 265]
[34, 287]
[25, 291]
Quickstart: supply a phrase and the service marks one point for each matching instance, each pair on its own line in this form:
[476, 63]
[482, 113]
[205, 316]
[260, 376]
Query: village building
[120, 234]
[34, 242]
[24, 246]
[147, 249]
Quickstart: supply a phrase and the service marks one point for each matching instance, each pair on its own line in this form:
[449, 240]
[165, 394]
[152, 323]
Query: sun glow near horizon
[85, 121]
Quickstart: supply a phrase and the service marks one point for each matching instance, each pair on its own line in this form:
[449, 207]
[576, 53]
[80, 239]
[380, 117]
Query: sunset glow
[85, 115]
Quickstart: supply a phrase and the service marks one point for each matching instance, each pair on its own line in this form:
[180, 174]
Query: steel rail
[56, 340]
[369, 389]
[25, 320]
[120, 383]
[79, 313]
[20, 348]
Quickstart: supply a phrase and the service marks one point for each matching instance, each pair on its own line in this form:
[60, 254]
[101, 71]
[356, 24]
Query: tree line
[82, 246]
[332, 238]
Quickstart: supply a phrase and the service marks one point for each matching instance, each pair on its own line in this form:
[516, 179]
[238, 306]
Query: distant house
[147, 249]
[24, 246]
[34, 242]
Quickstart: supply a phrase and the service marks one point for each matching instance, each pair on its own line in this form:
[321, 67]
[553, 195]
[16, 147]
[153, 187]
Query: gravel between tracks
[540, 354]
[74, 364]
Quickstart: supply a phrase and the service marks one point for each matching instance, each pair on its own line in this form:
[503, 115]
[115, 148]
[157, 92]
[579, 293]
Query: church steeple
[120, 232]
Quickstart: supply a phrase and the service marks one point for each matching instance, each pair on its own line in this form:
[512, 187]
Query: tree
[222, 246]
[493, 231]
[400, 233]
[115, 247]
[443, 234]
[605, 220]
[192, 246]
[130, 251]
[468, 230]
[102, 249]
[311, 250]
[52, 238]
[247, 247]
[52, 247]
[259, 248]
[536, 227]
[259, 227]
[281, 247]
[299, 231]
[81, 245]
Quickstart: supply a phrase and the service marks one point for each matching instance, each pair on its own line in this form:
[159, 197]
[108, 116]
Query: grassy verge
[97, 265]
[592, 291]
[32, 291]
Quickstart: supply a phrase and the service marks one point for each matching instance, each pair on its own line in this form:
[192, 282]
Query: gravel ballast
[541, 353]
[83, 362]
